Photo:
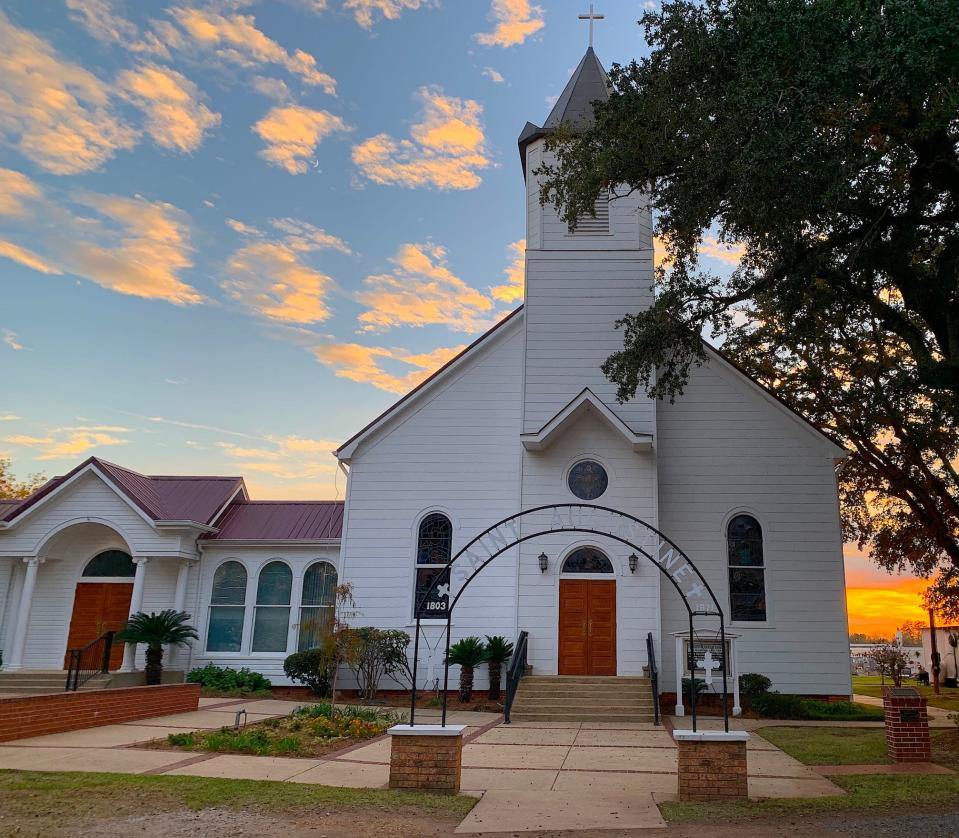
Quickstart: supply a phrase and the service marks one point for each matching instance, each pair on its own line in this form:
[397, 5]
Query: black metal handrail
[92, 659]
[653, 675]
[515, 671]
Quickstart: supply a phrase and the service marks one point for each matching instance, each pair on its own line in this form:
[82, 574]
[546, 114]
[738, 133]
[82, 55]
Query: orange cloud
[494, 76]
[292, 133]
[715, 249]
[512, 291]
[57, 113]
[176, 118]
[286, 458]
[15, 190]
[269, 277]
[27, 258]
[516, 20]
[422, 291]
[364, 11]
[364, 364]
[68, 443]
[447, 148]
[235, 39]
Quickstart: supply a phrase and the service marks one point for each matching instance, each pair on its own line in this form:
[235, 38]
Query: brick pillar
[907, 725]
[712, 765]
[426, 757]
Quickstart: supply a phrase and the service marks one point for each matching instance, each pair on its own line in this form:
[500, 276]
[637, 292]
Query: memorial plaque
[909, 714]
[905, 692]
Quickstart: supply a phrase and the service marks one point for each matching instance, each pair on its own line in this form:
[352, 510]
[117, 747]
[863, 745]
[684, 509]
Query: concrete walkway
[938, 717]
[530, 776]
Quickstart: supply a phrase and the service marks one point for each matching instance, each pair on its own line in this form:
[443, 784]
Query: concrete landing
[537, 811]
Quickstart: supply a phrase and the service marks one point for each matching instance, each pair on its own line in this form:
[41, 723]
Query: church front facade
[523, 418]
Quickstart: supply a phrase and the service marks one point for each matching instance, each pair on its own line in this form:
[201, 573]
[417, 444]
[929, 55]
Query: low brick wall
[426, 763]
[907, 725]
[38, 715]
[712, 770]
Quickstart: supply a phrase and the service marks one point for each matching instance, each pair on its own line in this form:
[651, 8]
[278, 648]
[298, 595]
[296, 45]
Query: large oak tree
[822, 136]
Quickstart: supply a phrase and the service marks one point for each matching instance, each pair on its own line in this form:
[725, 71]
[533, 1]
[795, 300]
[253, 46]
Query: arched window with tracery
[747, 570]
[271, 617]
[434, 547]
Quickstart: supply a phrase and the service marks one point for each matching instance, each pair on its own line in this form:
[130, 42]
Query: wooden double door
[98, 607]
[587, 627]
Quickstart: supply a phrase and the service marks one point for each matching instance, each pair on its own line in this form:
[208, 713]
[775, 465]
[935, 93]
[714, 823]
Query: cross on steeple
[591, 17]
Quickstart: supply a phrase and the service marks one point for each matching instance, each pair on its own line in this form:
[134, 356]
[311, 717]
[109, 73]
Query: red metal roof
[162, 498]
[266, 520]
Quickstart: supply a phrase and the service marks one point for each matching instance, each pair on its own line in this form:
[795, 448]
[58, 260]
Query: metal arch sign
[444, 592]
[571, 517]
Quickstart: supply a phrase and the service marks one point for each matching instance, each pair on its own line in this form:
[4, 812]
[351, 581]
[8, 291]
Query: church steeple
[574, 107]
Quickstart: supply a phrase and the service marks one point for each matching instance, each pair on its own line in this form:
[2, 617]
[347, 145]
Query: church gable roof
[345, 452]
[195, 499]
[587, 402]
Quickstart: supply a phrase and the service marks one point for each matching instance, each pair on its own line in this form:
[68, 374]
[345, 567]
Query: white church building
[523, 418]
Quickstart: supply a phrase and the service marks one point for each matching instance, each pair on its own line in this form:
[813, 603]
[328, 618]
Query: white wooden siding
[723, 448]
[458, 451]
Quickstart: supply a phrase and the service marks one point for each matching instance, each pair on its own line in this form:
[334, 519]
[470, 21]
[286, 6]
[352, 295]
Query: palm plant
[168, 628]
[467, 653]
[498, 651]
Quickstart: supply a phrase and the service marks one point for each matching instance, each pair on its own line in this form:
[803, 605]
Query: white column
[23, 615]
[136, 605]
[179, 603]
[680, 667]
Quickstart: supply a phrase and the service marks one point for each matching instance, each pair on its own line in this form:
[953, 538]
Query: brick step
[603, 680]
[586, 692]
[527, 707]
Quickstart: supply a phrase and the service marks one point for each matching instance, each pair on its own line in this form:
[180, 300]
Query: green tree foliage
[168, 628]
[13, 489]
[821, 135]
[467, 653]
[375, 654]
[498, 651]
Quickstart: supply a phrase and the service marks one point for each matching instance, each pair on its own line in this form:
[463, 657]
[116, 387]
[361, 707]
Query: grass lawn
[55, 803]
[830, 745]
[875, 794]
[872, 685]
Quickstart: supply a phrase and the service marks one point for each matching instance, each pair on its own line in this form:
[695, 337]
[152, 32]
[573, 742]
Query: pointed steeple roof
[574, 107]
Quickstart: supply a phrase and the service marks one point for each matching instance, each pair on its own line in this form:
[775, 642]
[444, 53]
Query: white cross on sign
[591, 17]
[707, 664]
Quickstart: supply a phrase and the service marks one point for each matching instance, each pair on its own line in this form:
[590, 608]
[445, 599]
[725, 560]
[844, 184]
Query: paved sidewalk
[938, 717]
[613, 772]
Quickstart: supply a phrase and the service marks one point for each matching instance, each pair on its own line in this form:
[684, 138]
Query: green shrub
[325, 710]
[841, 711]
[182, 740]
[698, 684]
[752, 683]
[223, 679]
[311, 667]
[777, 705]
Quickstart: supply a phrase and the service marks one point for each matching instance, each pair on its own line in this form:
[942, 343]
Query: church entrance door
[587, 627]
[98, 607]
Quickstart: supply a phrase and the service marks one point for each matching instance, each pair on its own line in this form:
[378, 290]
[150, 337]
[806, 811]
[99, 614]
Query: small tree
[13, 489]
[373, 654]
[498, 651]
[168, 628]
[467, 653]
[889, 660]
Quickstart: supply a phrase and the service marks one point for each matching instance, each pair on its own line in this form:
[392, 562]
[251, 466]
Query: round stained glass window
[587, 480]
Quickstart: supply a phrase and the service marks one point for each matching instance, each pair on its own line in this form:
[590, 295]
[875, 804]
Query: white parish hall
[523, 418]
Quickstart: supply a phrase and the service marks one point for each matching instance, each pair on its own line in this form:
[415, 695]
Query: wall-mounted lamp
[543, 562]
[633, 562]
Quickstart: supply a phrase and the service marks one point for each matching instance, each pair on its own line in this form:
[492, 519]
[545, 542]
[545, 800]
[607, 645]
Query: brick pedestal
[712, 765]
[907, 725]
[426, 757]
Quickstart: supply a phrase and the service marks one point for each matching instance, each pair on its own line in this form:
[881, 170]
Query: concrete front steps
[40, 682]
[573, 698]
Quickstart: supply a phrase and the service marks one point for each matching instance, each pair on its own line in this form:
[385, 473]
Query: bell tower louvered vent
[587, 225]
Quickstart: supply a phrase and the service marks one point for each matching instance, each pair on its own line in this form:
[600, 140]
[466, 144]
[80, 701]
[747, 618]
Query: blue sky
[233, 232]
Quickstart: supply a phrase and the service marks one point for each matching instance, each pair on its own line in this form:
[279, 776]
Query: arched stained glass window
[227, 608]
[587, 560]
[434, 547]
[271, 618]
[747, 582]
[317, 604]
[110, 563]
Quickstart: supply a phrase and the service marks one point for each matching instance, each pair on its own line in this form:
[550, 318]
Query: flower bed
[310, 731]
